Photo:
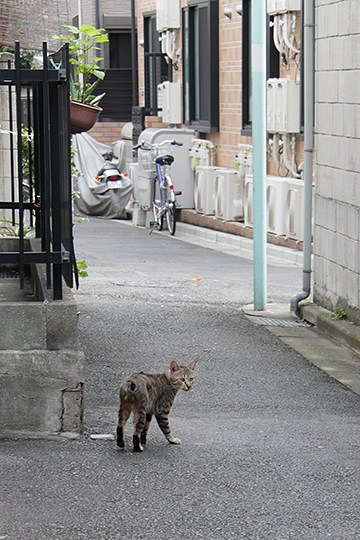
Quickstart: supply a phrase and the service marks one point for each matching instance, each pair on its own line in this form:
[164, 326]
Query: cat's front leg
[163, 421]
[143, 437]
[173, 440]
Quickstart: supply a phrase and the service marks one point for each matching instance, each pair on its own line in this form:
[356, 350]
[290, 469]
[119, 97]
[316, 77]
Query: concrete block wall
[41, 362]
[337, 156]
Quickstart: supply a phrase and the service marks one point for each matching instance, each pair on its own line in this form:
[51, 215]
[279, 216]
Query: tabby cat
[146, 395]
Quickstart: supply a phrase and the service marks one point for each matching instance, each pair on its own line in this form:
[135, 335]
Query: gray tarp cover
[96, 199]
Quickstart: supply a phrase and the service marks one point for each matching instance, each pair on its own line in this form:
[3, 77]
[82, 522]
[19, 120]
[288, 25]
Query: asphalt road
[270, 444]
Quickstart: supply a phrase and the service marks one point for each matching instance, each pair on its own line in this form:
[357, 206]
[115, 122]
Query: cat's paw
[173, 440]
[139, 448]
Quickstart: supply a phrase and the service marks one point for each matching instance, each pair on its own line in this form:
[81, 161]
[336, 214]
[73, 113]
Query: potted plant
[83, 45]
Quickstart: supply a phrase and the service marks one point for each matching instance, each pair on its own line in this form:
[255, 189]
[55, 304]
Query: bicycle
[164, 195]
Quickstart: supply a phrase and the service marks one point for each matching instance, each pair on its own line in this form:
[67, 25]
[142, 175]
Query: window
[272, 65]
[201, 65]
[157, 69]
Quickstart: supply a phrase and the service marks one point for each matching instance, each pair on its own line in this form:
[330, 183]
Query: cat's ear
[192, 364]
[174, 366]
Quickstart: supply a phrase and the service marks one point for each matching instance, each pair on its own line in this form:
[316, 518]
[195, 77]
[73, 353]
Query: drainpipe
[79, 13]
[258, 56]
[308, 151]
[135, 94]
[97, 13]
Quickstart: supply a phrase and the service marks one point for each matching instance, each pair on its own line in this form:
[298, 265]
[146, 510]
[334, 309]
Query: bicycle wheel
[171, 218]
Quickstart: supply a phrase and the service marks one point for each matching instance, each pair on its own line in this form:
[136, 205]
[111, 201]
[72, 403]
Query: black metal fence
[39, 159]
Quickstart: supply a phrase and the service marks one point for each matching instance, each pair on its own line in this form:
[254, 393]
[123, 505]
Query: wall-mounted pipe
[308, 150]
[134, 63]
[287, 33]
[97, 13]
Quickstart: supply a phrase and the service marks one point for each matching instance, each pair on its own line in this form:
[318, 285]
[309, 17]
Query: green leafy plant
[8, 229]
[26, 56]
[338, 315]
[83, 45]
[82, 268]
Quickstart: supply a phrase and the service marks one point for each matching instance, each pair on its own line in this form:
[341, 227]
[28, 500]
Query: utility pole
[258, 59]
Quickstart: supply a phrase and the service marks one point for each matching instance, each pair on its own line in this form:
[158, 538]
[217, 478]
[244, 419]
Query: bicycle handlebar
[149, 146]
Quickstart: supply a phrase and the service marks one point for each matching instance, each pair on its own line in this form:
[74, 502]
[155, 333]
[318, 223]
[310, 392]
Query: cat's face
[182, 376]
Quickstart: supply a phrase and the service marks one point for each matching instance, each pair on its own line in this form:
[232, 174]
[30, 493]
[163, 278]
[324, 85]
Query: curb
[342, 331]
[235, 245]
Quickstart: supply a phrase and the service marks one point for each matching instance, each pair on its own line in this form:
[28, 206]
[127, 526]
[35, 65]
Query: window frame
[191, 95]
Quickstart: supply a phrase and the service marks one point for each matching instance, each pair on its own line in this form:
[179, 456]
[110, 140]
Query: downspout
[97, 13]
[308, 151]
[135, 95]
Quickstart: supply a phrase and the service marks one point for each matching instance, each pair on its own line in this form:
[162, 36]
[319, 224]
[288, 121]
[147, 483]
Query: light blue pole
[258, 56]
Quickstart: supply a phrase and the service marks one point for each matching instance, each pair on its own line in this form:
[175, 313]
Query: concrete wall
[337, 156]
[41, 363]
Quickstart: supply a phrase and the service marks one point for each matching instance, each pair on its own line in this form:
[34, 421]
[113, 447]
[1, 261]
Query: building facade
[337, 156]
[212, 64]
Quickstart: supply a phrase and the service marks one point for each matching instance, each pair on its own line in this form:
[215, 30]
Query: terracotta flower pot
[83, 116]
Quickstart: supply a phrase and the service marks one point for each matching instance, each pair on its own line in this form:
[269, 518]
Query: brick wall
[107, 132]
[31, 22]
[337, 172]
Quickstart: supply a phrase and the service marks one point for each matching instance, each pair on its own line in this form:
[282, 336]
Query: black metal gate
[39, 113]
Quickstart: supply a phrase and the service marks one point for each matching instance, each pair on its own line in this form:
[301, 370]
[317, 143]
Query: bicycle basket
[146, 161]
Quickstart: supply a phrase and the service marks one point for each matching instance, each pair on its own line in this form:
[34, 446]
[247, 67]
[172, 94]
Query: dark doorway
[117, 84]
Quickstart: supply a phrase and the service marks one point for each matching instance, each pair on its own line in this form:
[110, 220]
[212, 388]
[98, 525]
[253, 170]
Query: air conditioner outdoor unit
[284, 208]
[204, 189]
[294, 213]
[228, 195]
[248, 201]
[276, 190]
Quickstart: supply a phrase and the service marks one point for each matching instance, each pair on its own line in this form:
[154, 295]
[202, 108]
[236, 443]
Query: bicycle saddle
[164, 160]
